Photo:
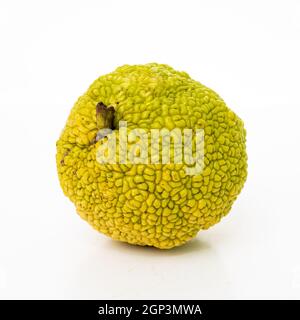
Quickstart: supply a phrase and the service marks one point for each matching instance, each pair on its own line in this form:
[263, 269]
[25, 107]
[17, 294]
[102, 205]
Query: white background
[50, 52]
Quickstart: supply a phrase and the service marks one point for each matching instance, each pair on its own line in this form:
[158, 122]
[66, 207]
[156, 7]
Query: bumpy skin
[152, 204]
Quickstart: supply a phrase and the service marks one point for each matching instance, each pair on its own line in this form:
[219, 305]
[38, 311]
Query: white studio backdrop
[50, 52]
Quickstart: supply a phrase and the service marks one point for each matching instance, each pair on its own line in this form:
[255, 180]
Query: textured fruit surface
[152, 204]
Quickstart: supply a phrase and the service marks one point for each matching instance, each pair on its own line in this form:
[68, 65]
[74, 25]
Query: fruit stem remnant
[104, 116]
[104, 119]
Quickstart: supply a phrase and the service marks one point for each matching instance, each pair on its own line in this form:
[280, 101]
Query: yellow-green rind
[154, 205]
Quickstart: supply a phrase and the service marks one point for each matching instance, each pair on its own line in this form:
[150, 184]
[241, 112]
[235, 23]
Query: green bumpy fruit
[151, 204]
